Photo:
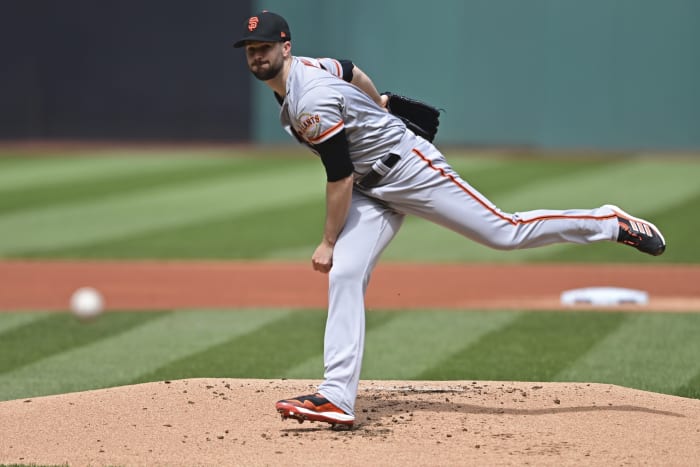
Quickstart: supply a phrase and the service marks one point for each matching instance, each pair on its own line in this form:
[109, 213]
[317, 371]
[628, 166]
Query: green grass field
[228, 204]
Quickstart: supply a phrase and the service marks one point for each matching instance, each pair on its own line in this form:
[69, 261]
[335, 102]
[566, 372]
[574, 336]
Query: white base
[604, 296]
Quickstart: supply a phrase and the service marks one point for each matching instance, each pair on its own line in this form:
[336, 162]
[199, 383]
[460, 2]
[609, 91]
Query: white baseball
[86, 302]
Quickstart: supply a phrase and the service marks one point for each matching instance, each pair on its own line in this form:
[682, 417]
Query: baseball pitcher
[381, 166]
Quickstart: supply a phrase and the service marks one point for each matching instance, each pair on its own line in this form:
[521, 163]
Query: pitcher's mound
[233, 422]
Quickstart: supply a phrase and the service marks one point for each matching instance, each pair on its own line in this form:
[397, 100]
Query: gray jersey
[319, 104]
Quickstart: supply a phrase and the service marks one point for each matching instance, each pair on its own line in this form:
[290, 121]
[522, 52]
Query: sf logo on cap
[253, 23]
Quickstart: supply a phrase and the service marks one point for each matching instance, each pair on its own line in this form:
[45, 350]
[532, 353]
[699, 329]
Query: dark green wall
[122, 70]
[600, 74]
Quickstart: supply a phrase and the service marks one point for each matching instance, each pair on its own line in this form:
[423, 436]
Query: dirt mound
[232, 422]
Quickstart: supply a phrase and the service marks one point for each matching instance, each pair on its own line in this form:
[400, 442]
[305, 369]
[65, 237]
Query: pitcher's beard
[266, 74]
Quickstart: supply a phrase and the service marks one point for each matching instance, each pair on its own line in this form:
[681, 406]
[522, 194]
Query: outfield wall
[600, 74]
[619, 74]
[126, 69]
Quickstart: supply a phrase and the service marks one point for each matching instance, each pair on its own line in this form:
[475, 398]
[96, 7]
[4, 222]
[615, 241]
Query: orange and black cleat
[315, 408]
[641, 234]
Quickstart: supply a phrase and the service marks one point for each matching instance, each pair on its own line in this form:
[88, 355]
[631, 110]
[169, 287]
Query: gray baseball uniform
[416, 180]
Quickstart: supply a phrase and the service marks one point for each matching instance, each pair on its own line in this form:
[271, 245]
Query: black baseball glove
[421, 118]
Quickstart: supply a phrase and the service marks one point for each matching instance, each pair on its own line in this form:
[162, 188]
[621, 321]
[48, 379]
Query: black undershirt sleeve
[335, 156]
[347, 67]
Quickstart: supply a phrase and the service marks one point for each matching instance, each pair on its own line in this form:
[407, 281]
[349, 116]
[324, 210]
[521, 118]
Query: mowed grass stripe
[511, 174]
[118, 216]
[653, 351]
[38, 172]
[311, 366]
[415, 342]
[54, 333]
[14, 320]
[122, 358]
[642, 187]
[135, 176]
[691, 388]
[533, 347]
[251, 235]
[264, 353]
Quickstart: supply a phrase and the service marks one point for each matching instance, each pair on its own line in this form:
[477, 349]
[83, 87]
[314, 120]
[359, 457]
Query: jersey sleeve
[319, 115]
[340, 68]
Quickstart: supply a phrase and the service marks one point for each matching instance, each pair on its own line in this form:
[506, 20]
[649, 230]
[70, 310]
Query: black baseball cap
[265, 27]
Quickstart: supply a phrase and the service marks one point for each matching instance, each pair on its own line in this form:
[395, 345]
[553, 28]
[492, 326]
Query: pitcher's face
[265, 59]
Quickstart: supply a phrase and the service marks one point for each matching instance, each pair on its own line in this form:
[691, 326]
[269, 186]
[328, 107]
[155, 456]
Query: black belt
[378, 170]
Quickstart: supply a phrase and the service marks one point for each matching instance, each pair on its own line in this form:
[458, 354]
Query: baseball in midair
[86, 303]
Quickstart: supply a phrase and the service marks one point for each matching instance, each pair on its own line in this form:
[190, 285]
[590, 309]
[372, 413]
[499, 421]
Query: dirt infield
[167, 285]
[232, 421]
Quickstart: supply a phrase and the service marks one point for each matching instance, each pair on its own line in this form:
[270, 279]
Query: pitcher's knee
[500, 242]
[348, 275]
[498, 235]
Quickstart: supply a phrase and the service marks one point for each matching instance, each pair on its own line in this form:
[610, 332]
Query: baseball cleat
[641, 234]
[314, 408]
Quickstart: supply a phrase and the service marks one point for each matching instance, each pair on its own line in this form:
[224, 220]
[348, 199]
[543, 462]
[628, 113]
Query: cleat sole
[314, 408]
[301, 418]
